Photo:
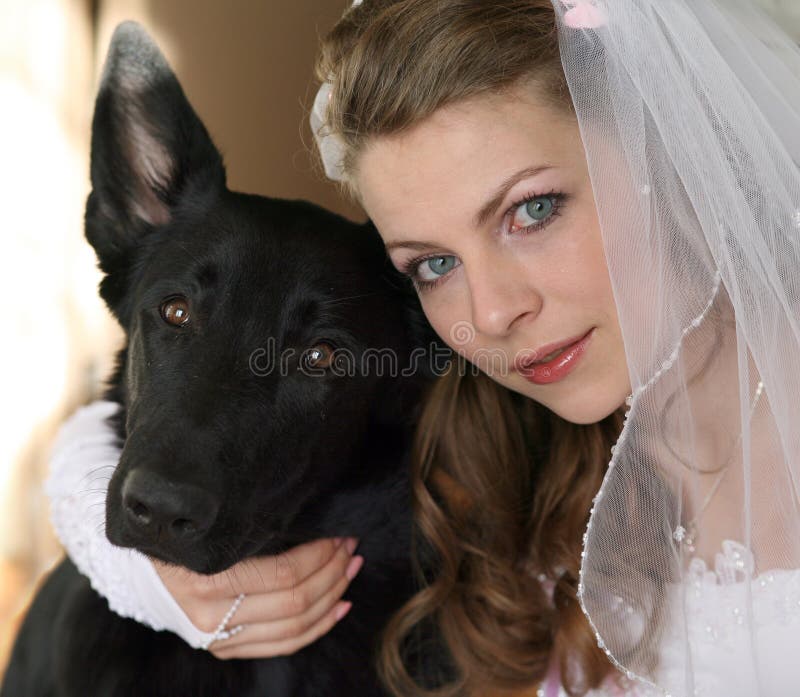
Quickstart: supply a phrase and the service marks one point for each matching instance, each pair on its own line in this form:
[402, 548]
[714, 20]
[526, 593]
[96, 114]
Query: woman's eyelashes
[532, 214]
[425, 273]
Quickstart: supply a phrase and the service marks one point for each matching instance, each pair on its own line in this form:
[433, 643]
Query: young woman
[599, 204]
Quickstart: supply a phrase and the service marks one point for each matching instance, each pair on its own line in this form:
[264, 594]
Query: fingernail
[342, 609]
[351, 544]
[354, 567]
[337, 542]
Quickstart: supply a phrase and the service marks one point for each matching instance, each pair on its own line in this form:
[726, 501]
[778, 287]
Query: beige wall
[247, 67]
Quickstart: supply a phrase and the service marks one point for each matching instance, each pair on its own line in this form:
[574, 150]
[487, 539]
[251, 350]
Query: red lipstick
[558, 367]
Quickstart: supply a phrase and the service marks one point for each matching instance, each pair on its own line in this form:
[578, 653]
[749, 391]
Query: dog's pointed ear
[150, 152]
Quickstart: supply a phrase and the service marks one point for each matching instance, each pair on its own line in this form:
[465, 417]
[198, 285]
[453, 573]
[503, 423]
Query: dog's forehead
[272, 233]
[256, 246]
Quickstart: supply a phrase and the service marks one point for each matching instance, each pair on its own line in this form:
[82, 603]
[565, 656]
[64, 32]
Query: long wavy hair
[502, 486]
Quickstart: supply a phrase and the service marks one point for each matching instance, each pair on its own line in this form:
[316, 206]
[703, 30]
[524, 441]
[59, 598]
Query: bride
[604, 197]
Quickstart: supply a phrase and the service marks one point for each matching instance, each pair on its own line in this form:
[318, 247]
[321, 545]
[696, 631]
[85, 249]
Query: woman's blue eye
[431, 269]
[533, 212]
[539, 208]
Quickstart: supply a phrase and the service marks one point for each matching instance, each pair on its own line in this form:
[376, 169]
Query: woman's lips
[557, 368]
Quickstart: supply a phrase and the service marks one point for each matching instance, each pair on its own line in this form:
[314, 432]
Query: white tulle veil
[689, 112]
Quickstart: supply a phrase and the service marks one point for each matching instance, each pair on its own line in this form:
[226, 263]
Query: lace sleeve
[83, 459]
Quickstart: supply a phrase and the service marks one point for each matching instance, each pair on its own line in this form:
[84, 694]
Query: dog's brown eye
[318, 356]
[175, 311]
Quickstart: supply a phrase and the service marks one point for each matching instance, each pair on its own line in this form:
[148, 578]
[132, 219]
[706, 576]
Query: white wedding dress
[85, 454]
[716, 604]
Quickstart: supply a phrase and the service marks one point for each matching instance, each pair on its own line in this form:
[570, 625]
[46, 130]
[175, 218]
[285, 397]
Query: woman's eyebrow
[487, 210]
[491, 206]
[411, 245]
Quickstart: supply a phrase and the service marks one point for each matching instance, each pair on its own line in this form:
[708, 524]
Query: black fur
[261, 462]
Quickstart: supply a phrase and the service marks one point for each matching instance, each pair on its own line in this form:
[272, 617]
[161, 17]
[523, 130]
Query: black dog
[253, 416]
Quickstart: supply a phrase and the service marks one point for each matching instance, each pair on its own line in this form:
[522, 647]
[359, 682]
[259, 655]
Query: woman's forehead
[453, 161]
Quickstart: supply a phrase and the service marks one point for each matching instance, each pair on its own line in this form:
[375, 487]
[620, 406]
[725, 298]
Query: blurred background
[247, 67]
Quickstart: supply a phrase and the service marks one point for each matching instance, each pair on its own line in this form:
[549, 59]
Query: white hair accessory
[331, 147]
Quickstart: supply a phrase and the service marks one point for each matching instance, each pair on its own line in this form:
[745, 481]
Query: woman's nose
[501, 297]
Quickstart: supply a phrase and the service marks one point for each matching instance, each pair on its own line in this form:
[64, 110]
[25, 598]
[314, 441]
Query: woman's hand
[290, 600]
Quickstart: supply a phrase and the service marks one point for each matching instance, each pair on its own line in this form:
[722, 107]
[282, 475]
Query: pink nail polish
[354, 567]
[343, 609]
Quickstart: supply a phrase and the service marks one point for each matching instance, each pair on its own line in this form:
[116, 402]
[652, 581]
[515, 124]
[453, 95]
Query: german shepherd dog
[243, 429]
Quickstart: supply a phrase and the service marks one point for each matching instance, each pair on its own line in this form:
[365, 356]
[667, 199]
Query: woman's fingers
[294, 625]
[296, 601]
[274, 573]
[294, 589]
[284, 647]
[267, 607]
[290, 569]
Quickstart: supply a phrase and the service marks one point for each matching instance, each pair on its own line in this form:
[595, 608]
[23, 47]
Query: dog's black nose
[155, 506]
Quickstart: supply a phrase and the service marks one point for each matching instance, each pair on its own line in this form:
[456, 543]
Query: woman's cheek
[442, 316]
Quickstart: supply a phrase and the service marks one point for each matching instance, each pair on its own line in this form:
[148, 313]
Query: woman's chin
[579, 407]
[585, 415]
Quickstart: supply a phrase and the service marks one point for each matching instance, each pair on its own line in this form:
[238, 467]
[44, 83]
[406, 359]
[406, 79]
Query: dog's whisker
[96, 479]
[190, 254]
[98, 476]
[338, 301]
[97, 472]
[257, 570]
